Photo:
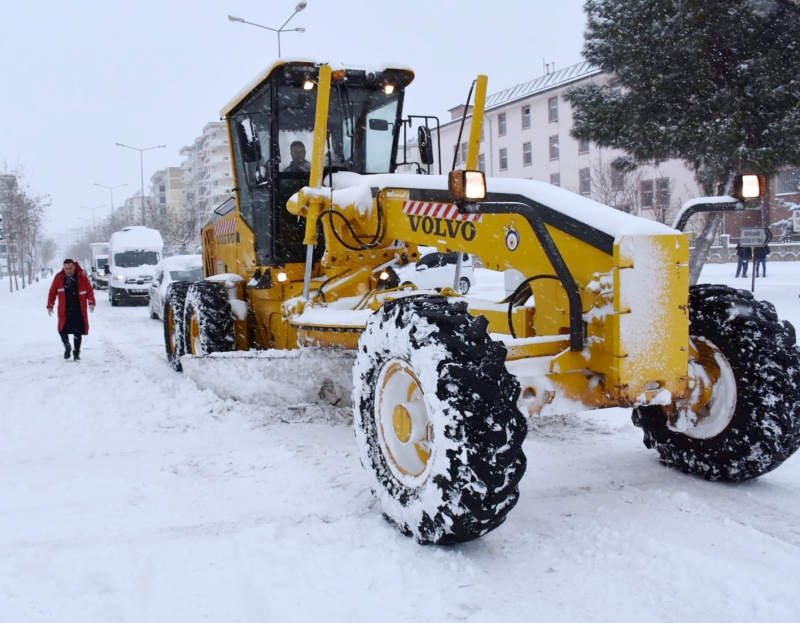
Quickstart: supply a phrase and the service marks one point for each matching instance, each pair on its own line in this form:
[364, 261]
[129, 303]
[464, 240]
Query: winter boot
[67, 351]
[77, 350]
[76, 355]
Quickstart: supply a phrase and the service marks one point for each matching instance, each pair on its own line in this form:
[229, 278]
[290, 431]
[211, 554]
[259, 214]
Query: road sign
[796, 220]
[754, 236]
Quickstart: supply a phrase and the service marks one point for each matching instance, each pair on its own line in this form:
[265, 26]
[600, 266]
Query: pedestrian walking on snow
[74, 292]
[744, 254]
[761, 261]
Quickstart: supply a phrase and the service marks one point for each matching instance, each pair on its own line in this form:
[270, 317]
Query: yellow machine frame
[635, 339]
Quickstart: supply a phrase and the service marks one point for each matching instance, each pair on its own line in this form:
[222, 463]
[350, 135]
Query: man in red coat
[74, 292]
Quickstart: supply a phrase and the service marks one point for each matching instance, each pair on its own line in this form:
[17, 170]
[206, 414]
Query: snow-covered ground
[127, 494]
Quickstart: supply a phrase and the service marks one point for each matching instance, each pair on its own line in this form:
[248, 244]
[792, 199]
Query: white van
[97, 271]
[132, 257]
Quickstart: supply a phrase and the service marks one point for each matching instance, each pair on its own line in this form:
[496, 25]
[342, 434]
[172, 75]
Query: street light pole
[94, 227]
[300, 6]
[141, 170]
[111, 192]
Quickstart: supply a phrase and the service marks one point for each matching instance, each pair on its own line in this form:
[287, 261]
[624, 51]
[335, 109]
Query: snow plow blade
[275, 377]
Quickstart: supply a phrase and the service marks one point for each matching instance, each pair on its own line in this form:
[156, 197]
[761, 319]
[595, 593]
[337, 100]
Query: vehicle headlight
[119, 277]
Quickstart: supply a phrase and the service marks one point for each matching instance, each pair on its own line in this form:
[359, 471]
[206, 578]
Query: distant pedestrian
[744, 254]
[74, 292]
[761, 261]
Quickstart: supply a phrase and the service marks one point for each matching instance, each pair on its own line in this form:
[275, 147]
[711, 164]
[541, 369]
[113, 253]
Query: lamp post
[111, 192]
[94, 227]
[300, 6]
[141, 169]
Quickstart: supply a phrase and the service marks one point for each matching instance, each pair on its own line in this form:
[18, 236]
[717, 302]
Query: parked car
[438, 270]
[175, 268]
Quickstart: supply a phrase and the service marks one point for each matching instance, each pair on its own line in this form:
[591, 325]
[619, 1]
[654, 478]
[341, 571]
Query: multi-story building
[207, 172]
[166, 190]
[526, 134]
[130, 212]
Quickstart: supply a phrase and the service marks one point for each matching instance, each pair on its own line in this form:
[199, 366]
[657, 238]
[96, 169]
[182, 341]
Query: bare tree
[184, 223]
[23, 218]
[47, 251]
[617, 186]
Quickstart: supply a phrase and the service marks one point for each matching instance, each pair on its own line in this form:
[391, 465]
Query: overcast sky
[77, 77]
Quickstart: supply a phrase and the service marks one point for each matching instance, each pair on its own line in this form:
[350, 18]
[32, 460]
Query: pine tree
[715, 83]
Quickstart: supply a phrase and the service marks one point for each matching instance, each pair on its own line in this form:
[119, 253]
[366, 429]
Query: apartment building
[526, 134]
[206, 168]
[166, 190]
[130, 212]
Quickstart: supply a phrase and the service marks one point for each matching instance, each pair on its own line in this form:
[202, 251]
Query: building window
[788, 182]
[552, 107]
[503, 159]
[585, 181]
[526, 117]
[501, 124]
[464, 151]
[647, 194]
[617, 179]
[662, 191]
[527, 158]
[583, 146]
[162, 188]
[162, 199]
[555, 179]
[553, 148]
[482, 163]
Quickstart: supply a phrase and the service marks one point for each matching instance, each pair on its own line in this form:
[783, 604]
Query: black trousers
[76, 339]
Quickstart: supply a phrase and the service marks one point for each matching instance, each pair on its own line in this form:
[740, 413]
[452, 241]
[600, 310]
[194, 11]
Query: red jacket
[85, 294]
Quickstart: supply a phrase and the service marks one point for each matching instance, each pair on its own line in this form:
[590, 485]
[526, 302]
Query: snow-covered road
[127, 494]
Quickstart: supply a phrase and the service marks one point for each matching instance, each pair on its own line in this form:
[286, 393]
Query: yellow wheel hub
[402, 423]
[171, 328]
[404, 428]
[194, 333]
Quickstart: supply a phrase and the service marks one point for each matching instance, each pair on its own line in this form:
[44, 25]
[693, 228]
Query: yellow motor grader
[306, 257]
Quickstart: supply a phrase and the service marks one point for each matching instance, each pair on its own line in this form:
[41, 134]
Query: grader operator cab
[442, 384]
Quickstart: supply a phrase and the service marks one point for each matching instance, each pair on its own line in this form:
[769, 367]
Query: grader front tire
[752, 423]
[437, 425]
[174, 303]
[208, 325]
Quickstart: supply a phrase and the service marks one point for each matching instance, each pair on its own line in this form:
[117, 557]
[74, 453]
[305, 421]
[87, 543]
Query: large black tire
[113, 299]
[433, 358]
[173, 307]
[753, 419]
[208, 305]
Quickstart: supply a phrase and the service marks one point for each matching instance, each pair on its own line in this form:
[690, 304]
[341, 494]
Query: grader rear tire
[436, 420]
[174, 302]
[752, 423]
[207, 319]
